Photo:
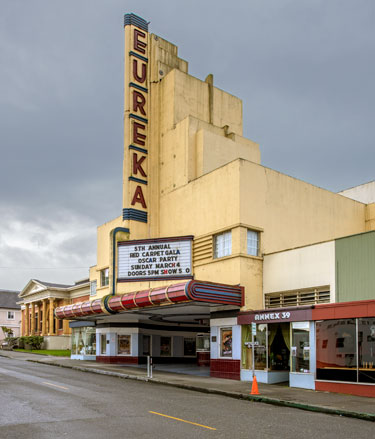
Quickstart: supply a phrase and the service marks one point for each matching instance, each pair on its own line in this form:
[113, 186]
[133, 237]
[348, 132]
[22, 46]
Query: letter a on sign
[139, 198]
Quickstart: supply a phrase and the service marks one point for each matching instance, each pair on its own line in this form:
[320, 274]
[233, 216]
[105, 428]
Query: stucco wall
[301, 268]
[293, 213]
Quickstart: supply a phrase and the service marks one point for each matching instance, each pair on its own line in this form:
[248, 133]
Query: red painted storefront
[339, 311]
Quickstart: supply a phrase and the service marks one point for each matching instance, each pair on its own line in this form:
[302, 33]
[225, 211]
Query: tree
[8, 332]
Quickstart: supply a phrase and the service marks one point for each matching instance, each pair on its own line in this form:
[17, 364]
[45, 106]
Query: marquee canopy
[186, 292]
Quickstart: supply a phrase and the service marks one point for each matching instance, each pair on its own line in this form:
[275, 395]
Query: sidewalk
[332, 403]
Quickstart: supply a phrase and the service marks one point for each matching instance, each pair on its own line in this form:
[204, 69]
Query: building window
[260, 349]
[10, 315]
[83, 341]
[93, 288]
[223, 244]
[300, 349]
[165, 346]
[226, 342]
[60, 324]
[203, 342]
[336, 350]
[123, 345]
[189, 347]
[104, 277]
[252, 243]
[103, 344]
[146, 343]
[366, 350]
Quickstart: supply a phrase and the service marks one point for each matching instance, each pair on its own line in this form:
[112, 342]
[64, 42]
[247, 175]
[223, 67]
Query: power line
[43, 268]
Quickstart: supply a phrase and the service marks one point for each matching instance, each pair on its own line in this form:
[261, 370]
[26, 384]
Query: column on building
[44, 321]
[51, 316]
[40, 317]
[27, 320]
[32, 332]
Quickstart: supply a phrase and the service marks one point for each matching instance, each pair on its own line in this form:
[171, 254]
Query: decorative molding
[134, 215]
[135, 20]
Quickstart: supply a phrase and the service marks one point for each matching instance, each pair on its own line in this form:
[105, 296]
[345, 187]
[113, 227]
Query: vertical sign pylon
[136, 120]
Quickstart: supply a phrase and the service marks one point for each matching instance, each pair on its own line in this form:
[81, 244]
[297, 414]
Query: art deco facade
[208, 235]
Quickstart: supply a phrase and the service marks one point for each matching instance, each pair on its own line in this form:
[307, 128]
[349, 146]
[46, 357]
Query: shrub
[13, 342]
[34, 341]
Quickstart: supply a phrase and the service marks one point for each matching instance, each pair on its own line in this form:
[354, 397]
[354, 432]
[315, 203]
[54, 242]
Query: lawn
[55, 353]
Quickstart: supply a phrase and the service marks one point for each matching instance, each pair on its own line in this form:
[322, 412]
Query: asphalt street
[40, 401]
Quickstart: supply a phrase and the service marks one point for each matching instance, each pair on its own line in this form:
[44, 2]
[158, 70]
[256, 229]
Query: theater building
[207, 233]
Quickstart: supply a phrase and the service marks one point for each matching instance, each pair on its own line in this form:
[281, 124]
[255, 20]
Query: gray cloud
[304, 71]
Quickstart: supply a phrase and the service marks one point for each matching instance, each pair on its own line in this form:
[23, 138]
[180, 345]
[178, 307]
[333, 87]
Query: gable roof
[40, 287]
[8, 299]
[52, 285]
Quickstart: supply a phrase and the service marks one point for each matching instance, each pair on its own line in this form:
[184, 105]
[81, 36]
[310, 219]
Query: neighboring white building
[10, 313]
[300, 276]
[365, 193]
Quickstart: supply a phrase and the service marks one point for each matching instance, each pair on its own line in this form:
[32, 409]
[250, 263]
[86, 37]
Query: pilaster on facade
[32, 332]
[27, 320]
[51, 317]
[44, 320]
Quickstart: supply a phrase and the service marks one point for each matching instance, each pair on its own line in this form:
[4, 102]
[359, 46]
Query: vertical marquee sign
[136, 138]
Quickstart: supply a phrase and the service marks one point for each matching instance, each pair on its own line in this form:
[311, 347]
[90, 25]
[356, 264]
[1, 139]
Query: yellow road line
[55, 385]
[182, 420]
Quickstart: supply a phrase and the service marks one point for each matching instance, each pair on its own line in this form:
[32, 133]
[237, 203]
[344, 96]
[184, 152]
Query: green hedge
[34, 341]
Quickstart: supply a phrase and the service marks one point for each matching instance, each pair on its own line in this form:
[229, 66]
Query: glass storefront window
[226, 342]
[83, 341]
[366, 350]
[336, 352]
[189, 347]
[260, 351]
[146, 344]
[203, 342]
[123, 345]
[165, 346]
[103, 344]
[300, 349]
[279, 346]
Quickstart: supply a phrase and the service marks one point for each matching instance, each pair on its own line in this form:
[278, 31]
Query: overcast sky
[304, 69]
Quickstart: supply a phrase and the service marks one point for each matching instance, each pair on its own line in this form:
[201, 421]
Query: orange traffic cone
[254, 387]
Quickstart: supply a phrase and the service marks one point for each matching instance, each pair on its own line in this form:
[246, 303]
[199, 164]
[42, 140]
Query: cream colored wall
[184, 95]
[370, 217]
[294, 213]
[214, 151]
[194, 148]
[306, 267]
[206, 204]
[104, 259]
[103, 247]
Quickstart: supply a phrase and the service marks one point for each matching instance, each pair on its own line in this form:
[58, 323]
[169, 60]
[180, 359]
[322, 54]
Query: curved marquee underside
[186, 292]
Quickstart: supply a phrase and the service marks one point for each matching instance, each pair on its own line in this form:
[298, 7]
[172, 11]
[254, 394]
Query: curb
[264, 399]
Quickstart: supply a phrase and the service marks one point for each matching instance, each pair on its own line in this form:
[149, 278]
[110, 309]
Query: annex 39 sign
[155, 259]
